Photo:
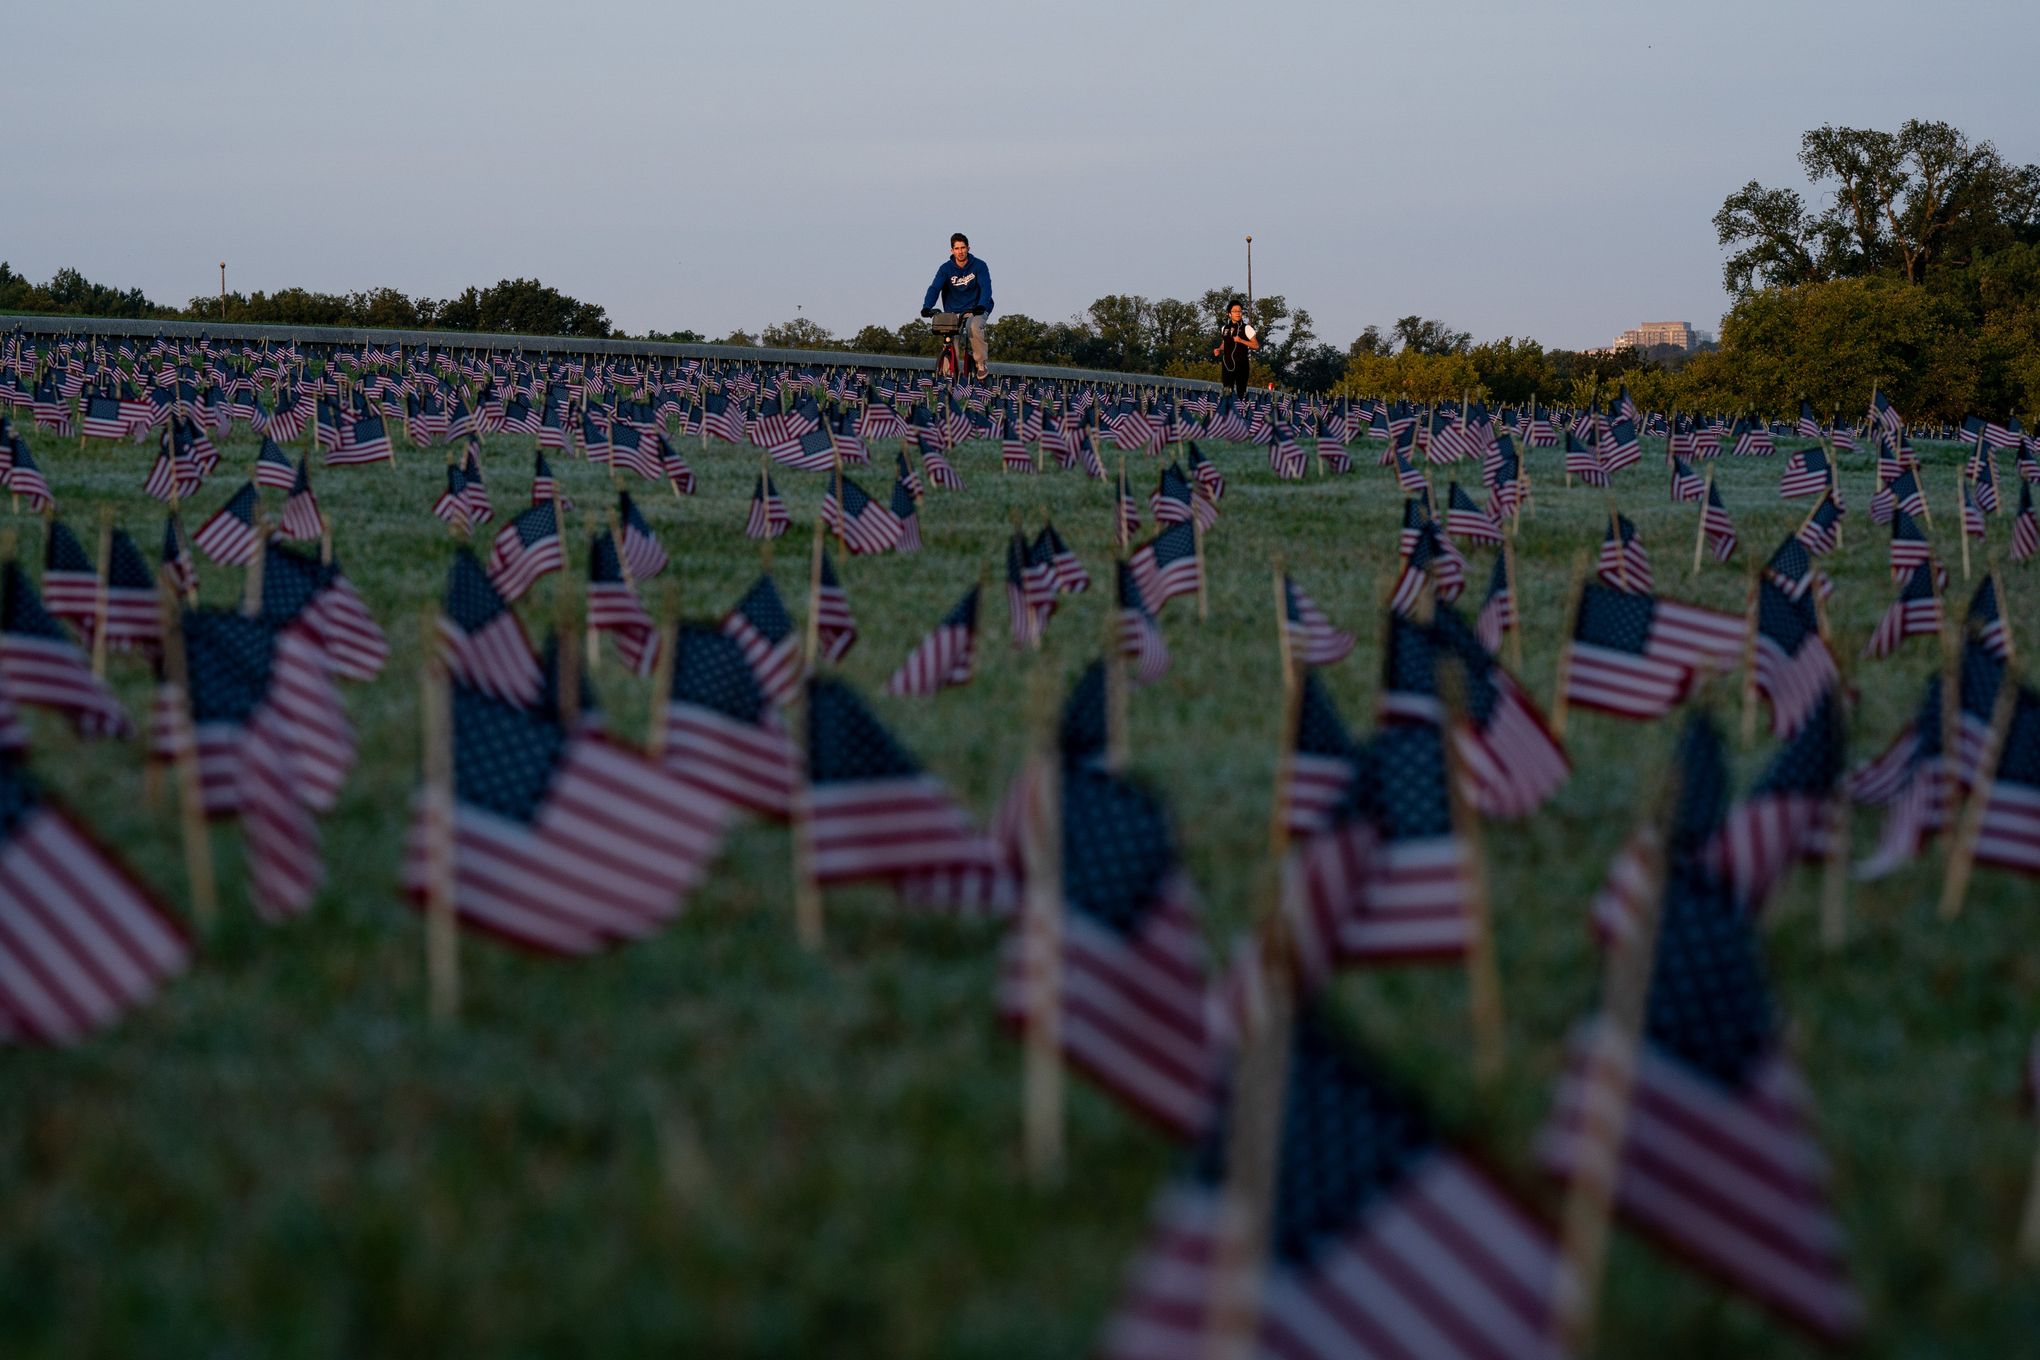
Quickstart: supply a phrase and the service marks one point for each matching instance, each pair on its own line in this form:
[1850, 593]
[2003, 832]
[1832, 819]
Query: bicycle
[949, 326]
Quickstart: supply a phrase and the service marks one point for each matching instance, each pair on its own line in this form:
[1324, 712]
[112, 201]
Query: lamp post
[223, 290]
[1250, 269]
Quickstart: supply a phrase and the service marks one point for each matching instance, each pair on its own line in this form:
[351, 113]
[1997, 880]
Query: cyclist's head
[959, 246]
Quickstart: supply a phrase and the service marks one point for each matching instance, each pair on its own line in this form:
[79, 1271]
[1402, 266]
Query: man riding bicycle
[963, 284]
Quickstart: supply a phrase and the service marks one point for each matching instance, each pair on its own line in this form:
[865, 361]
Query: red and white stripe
[748, 765]
[945, 658]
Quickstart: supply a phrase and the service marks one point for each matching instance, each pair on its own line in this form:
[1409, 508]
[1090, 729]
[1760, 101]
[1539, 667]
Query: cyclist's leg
[977, 344]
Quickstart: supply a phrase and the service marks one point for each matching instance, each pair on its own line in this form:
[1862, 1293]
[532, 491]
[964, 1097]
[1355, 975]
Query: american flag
[70, 580]
[1972, 517]
[1140, 638]
[176, 555]
[764, 630]
[473, 491]
[1285, 457]
[1624, 562]
[545, 486]
[1789, 815]
[1465, 519]
[452, 505]
[1635, 655]
[1030, 591]
[1619, 445]
[874, 813]
[298, 587]
[82, 939]
[300, 519]
[1312, 638]
[1388, 878]
[2009, 833]
[907, 477]
[1406, 475]
[1687, 485]
[1435, 557]
[562, 842]
[1126, 511]
[768, 517]
[24, 477]
[862, 523]
[940, 472]
[1322, 763]
[844, 440]
[1792, 664]
[678, 474]
[643, 554]
[722, 418]
[1582, 462]
[2025, 526]
[944, 658]
[908, 513]
[1791, 568]
[1884, 416]
[1384, 1238]
[1807, 473]
[1985, 480]
[722, 734]
[628, 449]
[105, 417]
[1718, 527]
[1498, 611]
[363, 439]
[1068, 570]
[835, 629]
[1205, 473]
[1510, 760]
[1168, 565]
[480, 638]
[614, 607]
[879, 421]
[1820, 531]
[134, 614]
[526, 548]
[1910, 781]
[1909, 547]
[272, 742]
[1131, 956]
[1986, 621]
[273, 467]
[595, 439]
[1915, 613]
[1718, 1162]
[228, 536]
[1174, 500]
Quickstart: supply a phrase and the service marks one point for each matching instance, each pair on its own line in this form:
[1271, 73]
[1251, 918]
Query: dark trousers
[1234, 380]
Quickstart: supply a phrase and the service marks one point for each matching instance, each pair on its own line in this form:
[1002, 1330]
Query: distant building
[1651, 334]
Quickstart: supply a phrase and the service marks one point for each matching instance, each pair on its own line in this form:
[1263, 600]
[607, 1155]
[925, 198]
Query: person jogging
[963, 284]
[1237, 340]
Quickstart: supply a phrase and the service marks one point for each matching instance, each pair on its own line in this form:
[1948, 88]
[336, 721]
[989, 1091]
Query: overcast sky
[1530, 169]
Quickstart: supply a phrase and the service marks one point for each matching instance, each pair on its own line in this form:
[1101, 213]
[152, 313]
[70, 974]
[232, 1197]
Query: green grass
[714, 1143]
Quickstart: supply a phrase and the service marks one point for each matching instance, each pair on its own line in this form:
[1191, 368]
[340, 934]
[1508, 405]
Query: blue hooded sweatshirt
[961, 289]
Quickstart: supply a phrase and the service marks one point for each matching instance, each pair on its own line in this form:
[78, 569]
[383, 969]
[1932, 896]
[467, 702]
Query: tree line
[1917, 272]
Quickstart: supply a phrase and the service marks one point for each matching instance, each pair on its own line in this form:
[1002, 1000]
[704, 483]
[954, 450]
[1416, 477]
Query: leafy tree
[1369, 341]
[799, 333]
[1426, 335]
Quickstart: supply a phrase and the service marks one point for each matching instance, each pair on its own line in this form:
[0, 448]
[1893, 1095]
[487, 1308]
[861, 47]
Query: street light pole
[223, 290]
[1250, 269]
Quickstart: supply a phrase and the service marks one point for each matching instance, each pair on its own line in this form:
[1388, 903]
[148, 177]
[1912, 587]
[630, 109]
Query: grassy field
[715, 1143]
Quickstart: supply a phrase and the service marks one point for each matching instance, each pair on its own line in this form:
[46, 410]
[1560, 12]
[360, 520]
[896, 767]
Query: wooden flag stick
[325, 539]
[1602, 1125]
[662, 670]
[1573, 592]
[1203, 586]
[198, 862]
[1962, 525]
[100, 594]
[1119, 510]
[1260, 1080]
[811, 641]
[442, 939]
[807, 890]
[1700, 532]
[1483, 978]
[566, 657]
[1997, 590]
[1043, 1110]
[251, 596]
[1834, 888]
[1962, 852]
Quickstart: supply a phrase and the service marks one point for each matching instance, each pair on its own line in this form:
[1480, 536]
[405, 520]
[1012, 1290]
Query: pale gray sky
[1543, 169]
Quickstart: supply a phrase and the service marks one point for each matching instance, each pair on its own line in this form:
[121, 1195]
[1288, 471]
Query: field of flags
[519, 845]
